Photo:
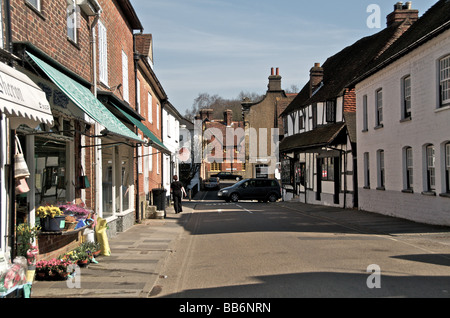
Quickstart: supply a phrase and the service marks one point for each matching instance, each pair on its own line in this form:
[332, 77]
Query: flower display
[76, 210]
[48, 211]
[54, 268]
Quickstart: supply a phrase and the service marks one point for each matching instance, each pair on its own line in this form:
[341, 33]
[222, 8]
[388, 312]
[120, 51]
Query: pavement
[137, 257]
[139, 254]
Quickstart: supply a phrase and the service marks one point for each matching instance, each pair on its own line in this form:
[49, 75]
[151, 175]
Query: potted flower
[52, 218]
[26, 236]
[78, 211]
[54, 269]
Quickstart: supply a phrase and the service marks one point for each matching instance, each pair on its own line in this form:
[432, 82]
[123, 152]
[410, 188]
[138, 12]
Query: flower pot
[83, 263]
[55, 224]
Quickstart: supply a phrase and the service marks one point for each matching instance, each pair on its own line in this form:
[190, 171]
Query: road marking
[244, 209]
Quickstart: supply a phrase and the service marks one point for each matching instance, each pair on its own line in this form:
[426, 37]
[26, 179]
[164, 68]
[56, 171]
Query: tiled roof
[340, 69]
[435, 21]
[321, 136]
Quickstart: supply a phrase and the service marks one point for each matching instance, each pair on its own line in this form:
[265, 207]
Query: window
[365, 121]
[328, 169]
[157, 116]
[381, 172]
[103, 53]
[444, 78]
[409, 168]
[35, 3]
[150, 108]
[406, 97]
[125, 75]
[314, 116]
[215, 166]
[431, 169]
[331, 111]
[379, 108]
[138, 93]
[366, 171]
[72, 23]
[447, 168]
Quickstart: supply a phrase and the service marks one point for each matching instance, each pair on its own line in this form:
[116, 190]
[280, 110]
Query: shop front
[22, 103]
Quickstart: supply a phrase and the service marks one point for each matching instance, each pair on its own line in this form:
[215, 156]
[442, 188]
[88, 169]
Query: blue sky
[227, 46]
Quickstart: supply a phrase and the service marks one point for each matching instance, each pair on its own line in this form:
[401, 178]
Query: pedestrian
[177, 190]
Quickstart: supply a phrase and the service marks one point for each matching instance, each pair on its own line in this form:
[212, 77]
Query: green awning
[86, 101]
[154, 141]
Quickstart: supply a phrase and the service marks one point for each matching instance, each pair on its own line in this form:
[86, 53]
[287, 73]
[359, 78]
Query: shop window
[51, 171]
[262, 171]
[328, 169]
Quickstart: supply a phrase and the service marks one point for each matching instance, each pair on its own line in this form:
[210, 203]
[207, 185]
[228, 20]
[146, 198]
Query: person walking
[177, 190]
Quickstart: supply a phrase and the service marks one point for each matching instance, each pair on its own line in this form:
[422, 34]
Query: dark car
[252, 189]
[226, 176]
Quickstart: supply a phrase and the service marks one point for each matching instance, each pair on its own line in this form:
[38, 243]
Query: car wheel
[234, 197]
[273, 197]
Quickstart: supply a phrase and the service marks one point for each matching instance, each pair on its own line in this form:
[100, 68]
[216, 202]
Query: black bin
[159, 199]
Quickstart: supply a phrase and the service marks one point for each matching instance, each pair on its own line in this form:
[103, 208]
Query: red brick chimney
[316, 77]
[402, 12]
[205, 114]
[228, 117]
[274, 81]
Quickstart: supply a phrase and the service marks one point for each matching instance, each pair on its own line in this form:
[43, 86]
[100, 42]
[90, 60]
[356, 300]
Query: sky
[224, 47]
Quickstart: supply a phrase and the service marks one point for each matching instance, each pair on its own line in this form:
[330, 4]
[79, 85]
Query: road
[290, 250]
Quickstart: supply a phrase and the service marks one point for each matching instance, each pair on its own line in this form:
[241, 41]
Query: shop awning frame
[153, 140]
[21, 100]
[86, 101]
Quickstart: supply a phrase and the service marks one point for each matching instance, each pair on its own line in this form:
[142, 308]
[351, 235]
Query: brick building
[223, 147]
[260, 118]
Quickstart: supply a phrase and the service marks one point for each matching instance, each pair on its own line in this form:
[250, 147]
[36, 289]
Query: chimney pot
[278, 71]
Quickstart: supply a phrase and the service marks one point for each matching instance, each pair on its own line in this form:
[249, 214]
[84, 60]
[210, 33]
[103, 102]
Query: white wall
[429, 124]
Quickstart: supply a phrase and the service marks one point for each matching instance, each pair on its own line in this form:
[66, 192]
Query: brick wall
[47, 30]
[52, 246]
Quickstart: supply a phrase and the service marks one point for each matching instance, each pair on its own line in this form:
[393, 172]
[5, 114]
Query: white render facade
[171, 139]
[323, 174]
[404, 149]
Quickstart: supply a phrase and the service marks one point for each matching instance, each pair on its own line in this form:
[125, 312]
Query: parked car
[252, 189]
[212, 183]
[227, 176]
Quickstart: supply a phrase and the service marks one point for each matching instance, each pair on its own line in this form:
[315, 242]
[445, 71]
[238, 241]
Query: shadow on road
[328, 285]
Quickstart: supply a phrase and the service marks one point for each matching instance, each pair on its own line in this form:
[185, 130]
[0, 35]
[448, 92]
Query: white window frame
[447, 167]
[365, 114]
[125, 77]
[72, 20]
[379, 108]
[150, 107]
[37, 6]
[366, 170]
[406, 97]
[430, 155]
[157, 115]
[381, 170]
[409, 168]
[103, 53]
[444, 81]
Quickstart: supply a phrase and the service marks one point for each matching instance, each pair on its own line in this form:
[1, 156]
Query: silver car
[212, 184]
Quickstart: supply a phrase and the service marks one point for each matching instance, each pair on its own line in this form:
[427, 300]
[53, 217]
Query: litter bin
[159, 199]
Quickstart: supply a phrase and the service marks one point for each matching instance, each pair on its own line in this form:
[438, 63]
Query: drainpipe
[136, 58]
[97, 154]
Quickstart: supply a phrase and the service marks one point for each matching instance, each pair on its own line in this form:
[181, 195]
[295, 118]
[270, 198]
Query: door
[319, 179]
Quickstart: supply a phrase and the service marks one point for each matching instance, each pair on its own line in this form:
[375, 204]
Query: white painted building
[403, 125]
[171, 139]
